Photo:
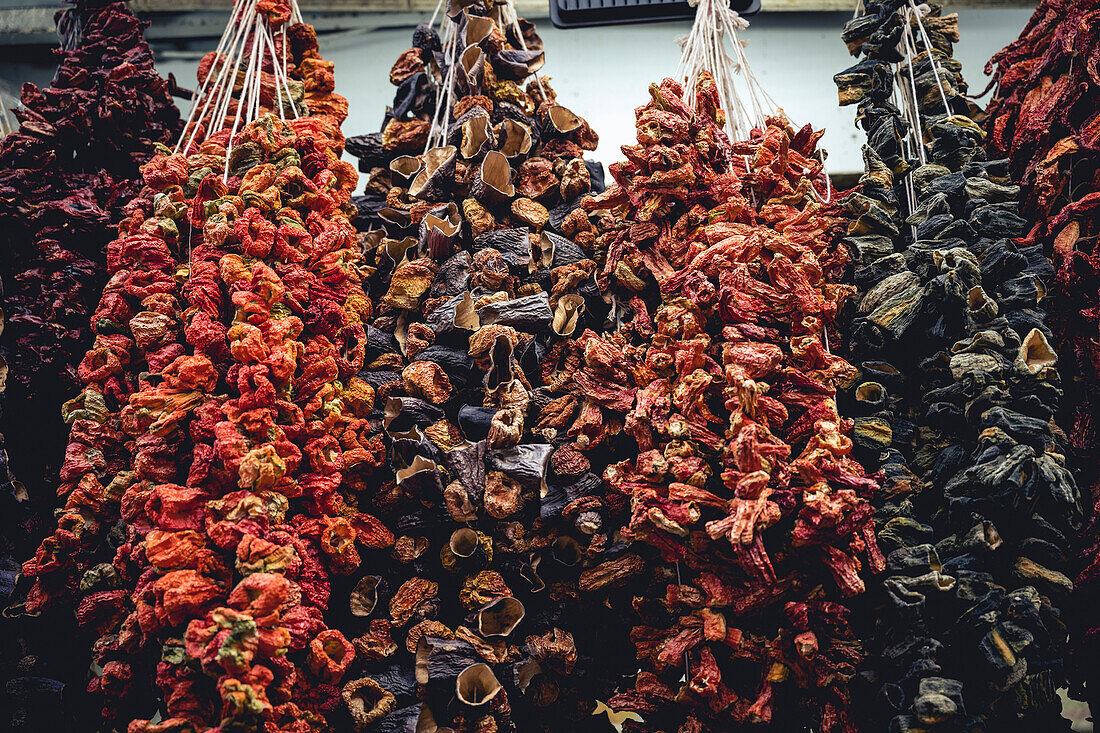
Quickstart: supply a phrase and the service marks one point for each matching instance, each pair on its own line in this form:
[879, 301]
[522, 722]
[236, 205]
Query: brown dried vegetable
[475, 285]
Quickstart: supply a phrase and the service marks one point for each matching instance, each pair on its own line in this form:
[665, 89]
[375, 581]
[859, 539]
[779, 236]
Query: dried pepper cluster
[737, 470]
[203, 478]
[955, 402]
[65, 176]
[481, 619]
[515, 154]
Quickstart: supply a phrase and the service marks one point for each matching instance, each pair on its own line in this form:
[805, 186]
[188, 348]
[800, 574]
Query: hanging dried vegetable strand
[214, 426]
[478, 290]
[1044, 118]
[956, 400]
[66, 172]
[65, 175]
[721, 392]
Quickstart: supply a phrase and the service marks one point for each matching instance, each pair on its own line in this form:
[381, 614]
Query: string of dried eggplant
[957, 398]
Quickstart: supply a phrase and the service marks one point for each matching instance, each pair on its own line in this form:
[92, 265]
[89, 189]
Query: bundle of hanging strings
[246, 75]
[456, 45]
[707, 48]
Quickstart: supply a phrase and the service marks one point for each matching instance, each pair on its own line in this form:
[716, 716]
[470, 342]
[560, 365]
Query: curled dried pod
[562, 120]
[438, 231]
[367, 701]
[464, 542]
[980, 307]
[500, 617]
[567, 551]
[515, 140]
[456, 314]
[501, 363]
[420, 478]
[437, 174]
[396, 221]
[870, 397]
[471, 70]
[398, 249]
[364, 597]
[404, 168]
[477, 685]
[493, 183]
[483, 32]
[1036, 352]
[516, 64]
[884, 373]
[567, 314]
[477, 137]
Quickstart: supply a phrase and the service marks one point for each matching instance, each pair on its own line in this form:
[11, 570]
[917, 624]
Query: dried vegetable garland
[65, 176]
[482, 619]
[737, 466]
[214, 425]
[958, 391]
[1044, 117]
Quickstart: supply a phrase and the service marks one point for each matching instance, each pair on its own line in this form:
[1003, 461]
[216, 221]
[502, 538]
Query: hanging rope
[705, 49]
[444, 93]
[247, 46]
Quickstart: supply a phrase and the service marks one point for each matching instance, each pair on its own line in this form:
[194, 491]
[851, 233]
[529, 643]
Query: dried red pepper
[726, 258]
[65, 175]
[213, 425]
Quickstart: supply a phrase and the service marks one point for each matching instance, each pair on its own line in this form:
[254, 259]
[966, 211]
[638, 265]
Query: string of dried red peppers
[1044, 118]
[214, 424]
[727, 258]
[65, 175]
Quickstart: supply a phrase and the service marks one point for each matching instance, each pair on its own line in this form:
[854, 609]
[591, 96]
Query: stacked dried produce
[956, 400]
[1044, 118]
[736, 463]
[205, 507]
[478, 621]
[65, 176]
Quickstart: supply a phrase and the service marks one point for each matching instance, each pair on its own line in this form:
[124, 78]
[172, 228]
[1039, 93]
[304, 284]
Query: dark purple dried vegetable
[65, 176]
[1044, 117]
[477, 284]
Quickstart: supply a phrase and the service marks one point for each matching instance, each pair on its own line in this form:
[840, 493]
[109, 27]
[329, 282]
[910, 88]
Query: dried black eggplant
[957, 390]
